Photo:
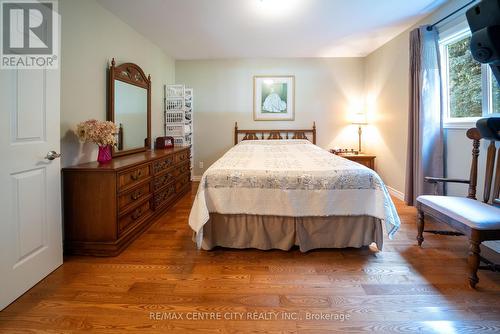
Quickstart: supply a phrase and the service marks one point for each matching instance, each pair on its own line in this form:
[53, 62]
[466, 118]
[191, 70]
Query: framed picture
[274, 98]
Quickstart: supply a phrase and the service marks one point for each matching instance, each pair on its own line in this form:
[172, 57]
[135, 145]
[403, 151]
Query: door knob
[51, 155]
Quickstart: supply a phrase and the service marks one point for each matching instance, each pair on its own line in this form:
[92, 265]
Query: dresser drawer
[366, 163]
[136, 215]
[132, 177]
[182, 181]
[182, 169]
[164, 179]
[182, 156]
[163, 164]
[134, 196]
[164, 196]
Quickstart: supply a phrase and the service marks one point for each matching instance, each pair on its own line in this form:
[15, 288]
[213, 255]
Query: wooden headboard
[274, 134]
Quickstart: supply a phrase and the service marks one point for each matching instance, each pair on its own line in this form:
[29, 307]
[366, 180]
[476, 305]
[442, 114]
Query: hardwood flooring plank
[399, 289]
[305, 301]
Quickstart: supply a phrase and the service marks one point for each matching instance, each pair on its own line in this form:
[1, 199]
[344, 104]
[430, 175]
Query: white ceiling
[200, 29]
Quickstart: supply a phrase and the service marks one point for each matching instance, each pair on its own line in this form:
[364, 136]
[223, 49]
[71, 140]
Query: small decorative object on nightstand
[367, 160]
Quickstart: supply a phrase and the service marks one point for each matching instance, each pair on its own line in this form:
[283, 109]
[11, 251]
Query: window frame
[449, 36]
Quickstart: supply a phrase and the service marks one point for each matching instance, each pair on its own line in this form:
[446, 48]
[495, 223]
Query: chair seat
[475, 214]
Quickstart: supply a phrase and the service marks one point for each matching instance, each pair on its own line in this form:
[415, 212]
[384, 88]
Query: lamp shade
[359, 118]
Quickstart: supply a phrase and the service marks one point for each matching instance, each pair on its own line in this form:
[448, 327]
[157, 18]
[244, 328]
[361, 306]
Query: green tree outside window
[464, 81]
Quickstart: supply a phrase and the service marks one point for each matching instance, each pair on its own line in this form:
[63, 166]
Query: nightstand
[367, 160]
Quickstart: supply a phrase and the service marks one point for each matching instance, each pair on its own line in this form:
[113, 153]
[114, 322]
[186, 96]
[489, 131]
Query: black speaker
[484, 22]
[489, 128]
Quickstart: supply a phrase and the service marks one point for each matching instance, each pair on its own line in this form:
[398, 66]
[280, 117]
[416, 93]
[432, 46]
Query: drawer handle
[136, 175]
[137, 213]
[136, 195]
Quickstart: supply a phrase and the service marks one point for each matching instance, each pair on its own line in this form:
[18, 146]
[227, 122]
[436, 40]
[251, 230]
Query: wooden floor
[161, 276]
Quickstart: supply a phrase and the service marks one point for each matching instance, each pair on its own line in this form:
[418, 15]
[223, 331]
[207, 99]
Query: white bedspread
[289, 178]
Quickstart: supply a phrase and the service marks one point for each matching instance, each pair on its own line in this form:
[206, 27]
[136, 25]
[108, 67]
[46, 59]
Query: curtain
[425, 131]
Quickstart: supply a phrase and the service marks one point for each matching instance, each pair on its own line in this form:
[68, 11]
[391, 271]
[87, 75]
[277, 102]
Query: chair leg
[420, 227]
[473, 262]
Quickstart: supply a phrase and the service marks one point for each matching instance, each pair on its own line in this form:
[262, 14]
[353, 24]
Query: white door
[30, 184]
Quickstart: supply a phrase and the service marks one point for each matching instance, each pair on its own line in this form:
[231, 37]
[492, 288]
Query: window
[495, 93]
[469, 88]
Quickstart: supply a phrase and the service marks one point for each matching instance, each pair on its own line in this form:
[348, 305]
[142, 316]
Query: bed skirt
[277, 232]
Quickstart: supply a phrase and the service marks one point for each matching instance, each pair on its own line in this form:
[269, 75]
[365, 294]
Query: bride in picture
[273, 103]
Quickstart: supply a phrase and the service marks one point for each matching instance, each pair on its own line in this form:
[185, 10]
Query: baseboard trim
[196, 178]
[396, 193]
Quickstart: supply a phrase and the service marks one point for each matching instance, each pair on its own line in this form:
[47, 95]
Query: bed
[275, 190]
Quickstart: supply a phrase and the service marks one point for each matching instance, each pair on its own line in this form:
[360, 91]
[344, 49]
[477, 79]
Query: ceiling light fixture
[276, 8]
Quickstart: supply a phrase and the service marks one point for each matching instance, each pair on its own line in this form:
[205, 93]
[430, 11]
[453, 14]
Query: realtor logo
[28, 34]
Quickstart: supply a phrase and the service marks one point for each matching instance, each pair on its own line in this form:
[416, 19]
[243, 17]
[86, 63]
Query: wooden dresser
[107, 206]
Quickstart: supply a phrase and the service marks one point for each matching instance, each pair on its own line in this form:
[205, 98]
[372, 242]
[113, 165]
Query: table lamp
[359, 118]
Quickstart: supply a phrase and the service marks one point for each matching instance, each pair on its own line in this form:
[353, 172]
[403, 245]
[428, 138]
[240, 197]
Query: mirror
[130, 107]
[130, 115]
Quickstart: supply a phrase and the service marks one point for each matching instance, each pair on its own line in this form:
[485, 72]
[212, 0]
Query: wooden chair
[478, 220]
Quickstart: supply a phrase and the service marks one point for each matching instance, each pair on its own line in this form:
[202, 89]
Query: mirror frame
[132, 74]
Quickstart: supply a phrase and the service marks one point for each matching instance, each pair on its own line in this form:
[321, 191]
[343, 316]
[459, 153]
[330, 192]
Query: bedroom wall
[91, 36]
[223, 93]
[386, 79]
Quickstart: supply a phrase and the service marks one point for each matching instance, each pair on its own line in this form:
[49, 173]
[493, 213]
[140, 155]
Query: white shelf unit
[178, 121]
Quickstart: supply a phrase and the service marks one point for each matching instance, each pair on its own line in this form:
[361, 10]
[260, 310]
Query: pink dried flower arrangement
[102, 133]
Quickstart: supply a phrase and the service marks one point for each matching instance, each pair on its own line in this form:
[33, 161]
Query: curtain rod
[429, 28]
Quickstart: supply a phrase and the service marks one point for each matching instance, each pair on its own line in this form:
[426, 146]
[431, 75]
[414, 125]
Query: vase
[104, 155]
